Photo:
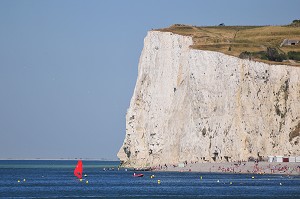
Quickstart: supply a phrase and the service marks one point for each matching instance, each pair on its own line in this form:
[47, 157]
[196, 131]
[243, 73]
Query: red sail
[78, 169]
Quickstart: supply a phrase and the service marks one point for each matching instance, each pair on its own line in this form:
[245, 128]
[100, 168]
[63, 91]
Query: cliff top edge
[269, 44]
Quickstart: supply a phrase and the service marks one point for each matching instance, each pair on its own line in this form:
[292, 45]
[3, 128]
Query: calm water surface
[54, 179]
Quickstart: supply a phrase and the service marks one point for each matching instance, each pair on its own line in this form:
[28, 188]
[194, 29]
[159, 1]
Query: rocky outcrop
[194, 105]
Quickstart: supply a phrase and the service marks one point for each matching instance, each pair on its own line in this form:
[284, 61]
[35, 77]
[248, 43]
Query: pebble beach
[239, 167]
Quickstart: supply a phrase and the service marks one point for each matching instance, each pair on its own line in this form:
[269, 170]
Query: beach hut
[292, 159]
[298, 159]
[181, 165]
[278, 158]
[285, 159]
[271, 159]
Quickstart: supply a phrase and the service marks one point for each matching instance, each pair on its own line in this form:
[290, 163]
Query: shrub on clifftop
[294, 55]
[273, 55]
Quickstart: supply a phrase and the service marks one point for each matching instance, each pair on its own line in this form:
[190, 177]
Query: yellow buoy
[252, 177]
[87, 182]
[24, 180]
[80, 179]
[201, 177]
[19, 181]
[158, 181]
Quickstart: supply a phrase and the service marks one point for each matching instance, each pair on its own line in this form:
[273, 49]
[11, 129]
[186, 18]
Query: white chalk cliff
[195, 105]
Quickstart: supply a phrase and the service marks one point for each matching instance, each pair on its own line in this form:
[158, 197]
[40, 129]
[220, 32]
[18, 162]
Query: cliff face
[194, 105]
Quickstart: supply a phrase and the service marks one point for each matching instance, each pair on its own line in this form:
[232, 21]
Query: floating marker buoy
[201, 177]
[280, 184]
[24, 180]
[152, 176]
[252, 177]
[230, 183]
[85, 175]
[158, 181]
[87, 182]
[218, 180]
[19, 181]
[80, 180]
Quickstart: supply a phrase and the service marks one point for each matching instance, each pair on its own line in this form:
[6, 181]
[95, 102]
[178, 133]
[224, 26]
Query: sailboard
[78, 169]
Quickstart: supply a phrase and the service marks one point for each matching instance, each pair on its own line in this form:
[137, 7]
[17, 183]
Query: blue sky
[68, 68]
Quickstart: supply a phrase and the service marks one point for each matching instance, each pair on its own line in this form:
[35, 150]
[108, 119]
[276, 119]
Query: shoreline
[58, 159]
[276, 168]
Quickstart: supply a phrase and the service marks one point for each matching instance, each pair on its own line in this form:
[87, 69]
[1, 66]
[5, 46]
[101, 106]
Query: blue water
[54, 179]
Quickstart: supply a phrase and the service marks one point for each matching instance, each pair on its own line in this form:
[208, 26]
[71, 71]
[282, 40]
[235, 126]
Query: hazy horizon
[68, 68]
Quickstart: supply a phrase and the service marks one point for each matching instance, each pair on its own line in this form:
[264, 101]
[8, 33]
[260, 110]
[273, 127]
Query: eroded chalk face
[203, 106]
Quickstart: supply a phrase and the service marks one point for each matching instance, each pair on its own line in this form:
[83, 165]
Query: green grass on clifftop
[233, 40]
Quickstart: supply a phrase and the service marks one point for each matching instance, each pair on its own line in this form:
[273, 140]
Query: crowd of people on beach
[255, 167]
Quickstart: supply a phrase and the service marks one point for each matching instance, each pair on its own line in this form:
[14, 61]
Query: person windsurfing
[78, 169]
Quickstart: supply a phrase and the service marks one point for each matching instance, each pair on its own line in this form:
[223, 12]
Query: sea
[55, 179]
